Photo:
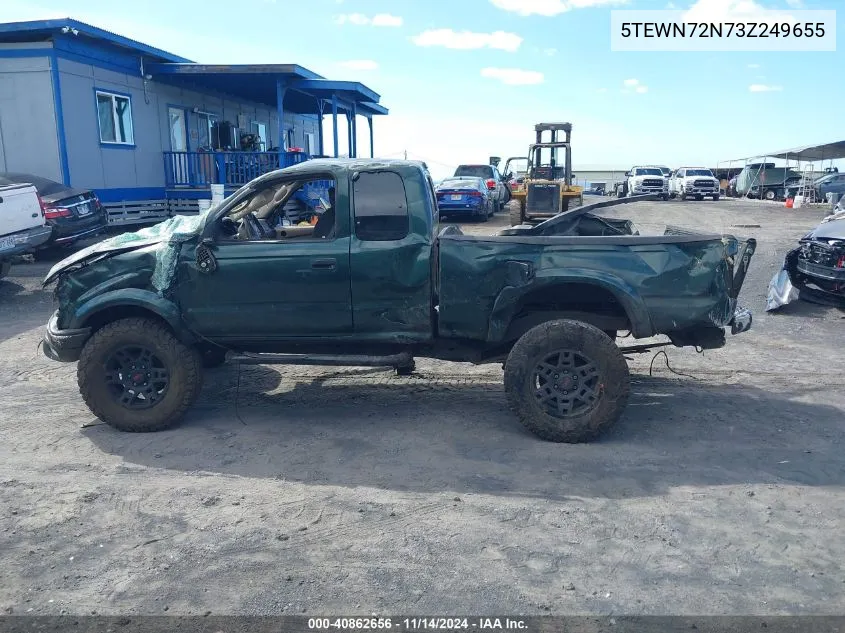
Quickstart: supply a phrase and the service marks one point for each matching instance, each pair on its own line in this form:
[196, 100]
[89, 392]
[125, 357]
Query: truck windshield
[648, 171]
[699, 172]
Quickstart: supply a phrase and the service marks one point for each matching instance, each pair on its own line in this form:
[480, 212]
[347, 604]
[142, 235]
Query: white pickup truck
[644, 179]
[694, 181]
[23, 227]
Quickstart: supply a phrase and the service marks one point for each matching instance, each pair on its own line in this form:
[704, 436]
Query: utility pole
[406, 154]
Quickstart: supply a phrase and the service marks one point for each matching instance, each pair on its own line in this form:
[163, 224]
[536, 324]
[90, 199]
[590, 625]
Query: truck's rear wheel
[136, 376]
[567, 381]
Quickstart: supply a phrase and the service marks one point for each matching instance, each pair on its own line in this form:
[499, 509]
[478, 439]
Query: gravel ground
[327, 491]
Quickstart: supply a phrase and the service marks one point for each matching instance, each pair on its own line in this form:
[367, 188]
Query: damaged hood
[94, 253]
[832, 230]
[175, 230]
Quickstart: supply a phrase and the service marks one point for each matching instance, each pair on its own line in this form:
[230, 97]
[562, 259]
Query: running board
[403, 359]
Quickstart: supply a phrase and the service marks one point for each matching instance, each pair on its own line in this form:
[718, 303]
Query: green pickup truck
[366, 277]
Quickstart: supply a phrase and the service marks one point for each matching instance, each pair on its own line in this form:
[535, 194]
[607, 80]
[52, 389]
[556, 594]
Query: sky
[468, 79]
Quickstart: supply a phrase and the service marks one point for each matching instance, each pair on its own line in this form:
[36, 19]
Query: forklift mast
[554, 128]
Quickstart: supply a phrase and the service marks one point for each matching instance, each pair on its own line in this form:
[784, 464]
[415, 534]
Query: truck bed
[677, 282]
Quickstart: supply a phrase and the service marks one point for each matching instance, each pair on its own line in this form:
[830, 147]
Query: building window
[381, 207]
[114, 113]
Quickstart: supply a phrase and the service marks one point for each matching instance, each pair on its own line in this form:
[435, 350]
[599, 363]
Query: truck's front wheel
[136, 376]
[567, 381]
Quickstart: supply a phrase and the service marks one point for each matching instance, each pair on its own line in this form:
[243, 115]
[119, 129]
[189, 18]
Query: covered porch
[287, 88]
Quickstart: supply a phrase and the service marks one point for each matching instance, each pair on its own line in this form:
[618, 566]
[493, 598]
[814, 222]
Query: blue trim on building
[60, 118]
[106, 145]
[17, 53]
[121, 194]
[52, 27]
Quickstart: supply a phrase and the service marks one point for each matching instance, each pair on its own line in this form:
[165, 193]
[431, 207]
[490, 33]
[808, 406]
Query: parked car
[645, 179]
[139, 311]
[22, 224]
[71, 213]
[830, 183]
[465, 196]
[494, 181]
[695, 182]
[815, 270]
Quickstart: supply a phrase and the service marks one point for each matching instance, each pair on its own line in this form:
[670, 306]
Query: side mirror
[627, 174]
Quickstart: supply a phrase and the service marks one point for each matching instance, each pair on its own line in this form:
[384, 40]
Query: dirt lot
[354, 491]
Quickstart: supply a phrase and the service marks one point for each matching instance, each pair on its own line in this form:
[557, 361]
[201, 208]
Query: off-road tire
[183, 363]
[515, 215]
[543, 340]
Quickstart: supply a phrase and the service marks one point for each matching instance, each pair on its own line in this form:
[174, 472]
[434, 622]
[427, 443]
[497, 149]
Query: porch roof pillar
[372, 146]
[281, 88]
[354, 130]
[334, 123]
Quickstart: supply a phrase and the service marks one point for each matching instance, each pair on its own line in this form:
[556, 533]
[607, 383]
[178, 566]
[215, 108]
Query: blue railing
[201, 169]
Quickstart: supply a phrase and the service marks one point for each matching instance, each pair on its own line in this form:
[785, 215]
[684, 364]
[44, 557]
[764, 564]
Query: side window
[114, 114]
[381, 208]
[284, 211]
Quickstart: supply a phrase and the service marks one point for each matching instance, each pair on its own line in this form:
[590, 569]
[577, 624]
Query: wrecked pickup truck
[371, 280]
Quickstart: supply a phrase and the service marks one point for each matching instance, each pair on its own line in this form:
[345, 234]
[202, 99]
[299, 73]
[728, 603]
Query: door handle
[324, 264]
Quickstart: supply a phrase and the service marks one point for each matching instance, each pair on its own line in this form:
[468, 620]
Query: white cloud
[550, 8]
[764, 88]
[467, 40]
[359, 19]
[385, 19]
[360, 64]
[513, 76]
[634, 85]
[734, 11]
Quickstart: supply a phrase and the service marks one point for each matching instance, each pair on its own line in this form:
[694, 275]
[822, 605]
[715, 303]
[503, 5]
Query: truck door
[277, 282]
[391, 247]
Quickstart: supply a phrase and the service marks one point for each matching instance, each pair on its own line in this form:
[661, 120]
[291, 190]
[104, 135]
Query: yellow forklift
[547, 188]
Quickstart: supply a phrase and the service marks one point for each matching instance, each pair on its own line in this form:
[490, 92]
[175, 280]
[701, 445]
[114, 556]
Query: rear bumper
[461, 209]
[64, 346]
[67, 239]
[26, 241]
